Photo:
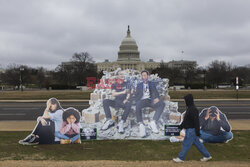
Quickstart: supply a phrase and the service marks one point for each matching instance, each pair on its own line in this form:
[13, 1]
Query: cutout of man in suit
[148, 96]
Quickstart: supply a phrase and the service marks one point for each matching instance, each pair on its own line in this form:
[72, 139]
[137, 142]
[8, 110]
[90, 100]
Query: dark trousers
[158, 107]
[107, 103]
[39, 127]
[46, 133]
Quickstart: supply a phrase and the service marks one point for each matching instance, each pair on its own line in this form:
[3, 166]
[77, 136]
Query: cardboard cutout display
[70, 129]
[215, 127]
[118, 117]
[123, 106]
[56, 126]
[126, 104]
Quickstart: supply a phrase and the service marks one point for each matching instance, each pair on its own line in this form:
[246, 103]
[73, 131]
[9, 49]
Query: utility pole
[21, 81]
[237, 88]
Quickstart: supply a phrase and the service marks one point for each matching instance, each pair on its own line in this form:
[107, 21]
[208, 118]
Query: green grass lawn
[77, 94]
[128, 150]
[34, 95]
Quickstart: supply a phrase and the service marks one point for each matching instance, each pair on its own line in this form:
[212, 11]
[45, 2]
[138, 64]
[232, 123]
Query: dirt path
[241, 124]
[22, 163]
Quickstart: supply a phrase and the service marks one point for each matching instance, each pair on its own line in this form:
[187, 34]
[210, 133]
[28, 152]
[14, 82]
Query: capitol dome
[128, 49]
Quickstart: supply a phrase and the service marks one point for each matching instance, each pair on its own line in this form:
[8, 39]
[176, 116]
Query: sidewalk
[112, 163]
[240, 124]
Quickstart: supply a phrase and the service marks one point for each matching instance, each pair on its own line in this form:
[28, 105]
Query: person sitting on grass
[69, 132]
[47, 125]
[214, 126]
[191, 124]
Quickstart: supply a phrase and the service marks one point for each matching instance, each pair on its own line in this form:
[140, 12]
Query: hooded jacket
[191, 118]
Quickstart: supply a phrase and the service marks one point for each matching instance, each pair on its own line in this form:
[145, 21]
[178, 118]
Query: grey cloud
[45, 33]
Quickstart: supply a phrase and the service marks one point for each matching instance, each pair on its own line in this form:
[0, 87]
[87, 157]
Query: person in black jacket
[192, 126]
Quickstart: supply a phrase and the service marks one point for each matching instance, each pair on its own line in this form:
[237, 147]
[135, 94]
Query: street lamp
[21, 82]
[237, 87]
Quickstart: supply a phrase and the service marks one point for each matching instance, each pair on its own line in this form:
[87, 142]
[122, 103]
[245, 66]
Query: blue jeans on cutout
[61, 136]
[107, 103]
[223, 137]
[158, 107]
[189, 140]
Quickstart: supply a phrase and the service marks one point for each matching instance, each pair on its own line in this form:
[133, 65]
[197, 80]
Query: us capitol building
[128, 58]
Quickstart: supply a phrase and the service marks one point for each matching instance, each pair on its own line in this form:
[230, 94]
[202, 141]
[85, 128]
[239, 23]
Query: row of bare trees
[15, 75]
[214, 74]
[67, 75]
[70, 74]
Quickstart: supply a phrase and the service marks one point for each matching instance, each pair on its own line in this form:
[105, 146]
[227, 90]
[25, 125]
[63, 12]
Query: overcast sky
[45, 32]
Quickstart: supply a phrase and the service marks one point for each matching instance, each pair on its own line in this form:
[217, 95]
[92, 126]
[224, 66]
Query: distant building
[181, 64]
[128, 57]
[2, 70]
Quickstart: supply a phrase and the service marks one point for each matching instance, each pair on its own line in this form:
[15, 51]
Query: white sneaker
[153, 126]
[109, 123]
[204, 159]
[142, 129]
[201, 140]
[177, 160]
[121, 126]
[173, 139]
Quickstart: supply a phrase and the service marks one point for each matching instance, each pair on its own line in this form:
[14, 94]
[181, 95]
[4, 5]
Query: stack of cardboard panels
[91, 117]
[96, 113]
[175, 117]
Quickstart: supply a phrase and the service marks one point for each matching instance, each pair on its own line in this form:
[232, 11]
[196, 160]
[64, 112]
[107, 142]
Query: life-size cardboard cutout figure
[70, 129]
[47, 125]
[214, 125]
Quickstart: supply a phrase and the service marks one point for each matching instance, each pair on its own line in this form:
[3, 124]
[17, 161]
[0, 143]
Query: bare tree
[219, 72]
[77, 70]
[82, 60]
